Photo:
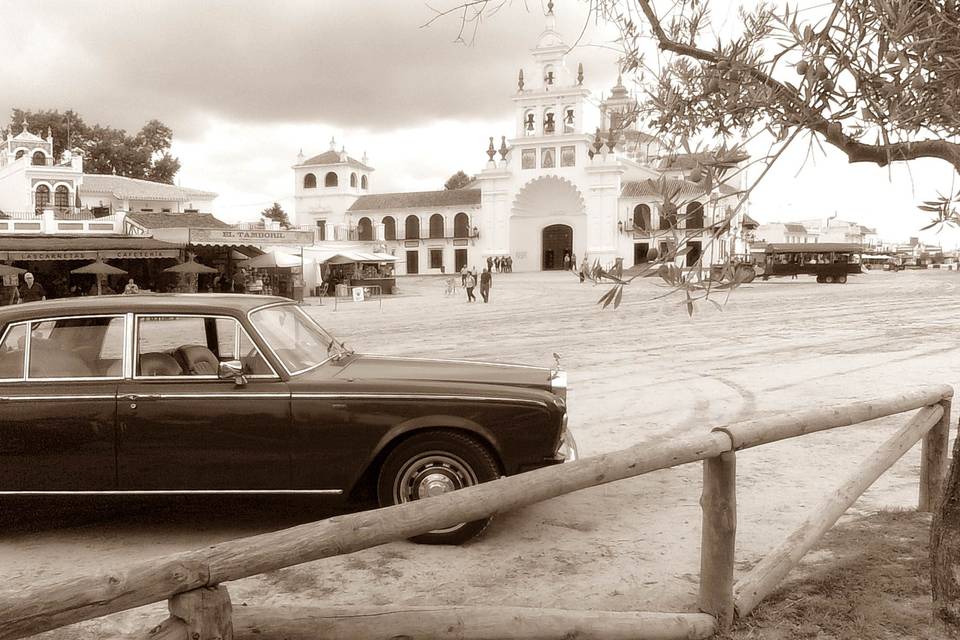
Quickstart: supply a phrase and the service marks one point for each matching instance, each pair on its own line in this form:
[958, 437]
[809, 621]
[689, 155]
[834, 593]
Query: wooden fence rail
[31, 609]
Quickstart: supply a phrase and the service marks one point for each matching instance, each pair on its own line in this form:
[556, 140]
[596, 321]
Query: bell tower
[550, 98]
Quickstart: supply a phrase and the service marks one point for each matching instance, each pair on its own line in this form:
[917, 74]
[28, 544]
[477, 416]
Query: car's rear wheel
[434, 463]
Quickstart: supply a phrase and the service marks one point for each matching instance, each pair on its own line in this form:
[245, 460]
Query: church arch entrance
[557, 243]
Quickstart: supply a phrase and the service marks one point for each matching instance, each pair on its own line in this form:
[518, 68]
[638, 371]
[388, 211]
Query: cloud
[356, 63]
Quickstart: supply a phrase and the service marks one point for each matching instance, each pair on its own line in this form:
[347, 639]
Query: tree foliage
[145, 155]
[457, 181]
[277, 214]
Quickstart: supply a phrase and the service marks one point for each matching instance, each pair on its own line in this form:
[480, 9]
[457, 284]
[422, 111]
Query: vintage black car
[170, 394]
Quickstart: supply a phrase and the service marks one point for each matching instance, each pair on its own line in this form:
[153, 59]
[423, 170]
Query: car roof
[208, 303]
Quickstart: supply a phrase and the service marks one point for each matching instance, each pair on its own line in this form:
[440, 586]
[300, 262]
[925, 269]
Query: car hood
[384, 367]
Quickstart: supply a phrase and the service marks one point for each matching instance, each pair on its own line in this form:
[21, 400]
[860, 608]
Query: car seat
[197, 360]
[159, 364]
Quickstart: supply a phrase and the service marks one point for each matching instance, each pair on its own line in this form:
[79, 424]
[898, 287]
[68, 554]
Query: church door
[557, 243]
[413, 262]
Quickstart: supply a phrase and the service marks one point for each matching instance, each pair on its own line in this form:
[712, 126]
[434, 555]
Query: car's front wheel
[434, 463]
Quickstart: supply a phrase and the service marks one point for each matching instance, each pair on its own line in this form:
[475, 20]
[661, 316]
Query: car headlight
[558, 383]
[568, 446]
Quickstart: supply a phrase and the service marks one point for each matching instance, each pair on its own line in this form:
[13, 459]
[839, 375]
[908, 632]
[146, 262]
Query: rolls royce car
[217, 393]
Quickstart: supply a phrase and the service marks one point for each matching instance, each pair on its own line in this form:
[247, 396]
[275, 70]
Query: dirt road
[641, 373]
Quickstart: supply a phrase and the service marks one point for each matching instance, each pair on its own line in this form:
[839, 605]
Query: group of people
[469, 280]
[31, 290]
[500, 264]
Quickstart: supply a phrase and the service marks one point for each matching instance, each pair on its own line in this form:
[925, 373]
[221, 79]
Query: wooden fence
[200, 608]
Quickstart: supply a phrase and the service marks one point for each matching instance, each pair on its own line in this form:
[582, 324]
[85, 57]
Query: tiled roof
[133, 189]
[794, 228]
[332, 157]
[417, 200]
[690, 160]
[685, 190]
[749, 222]
[177, 220]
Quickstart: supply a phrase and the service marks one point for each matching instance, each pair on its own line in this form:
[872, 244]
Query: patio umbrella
[99, 268]
[190, 267]
[7, 270]
[273, 259]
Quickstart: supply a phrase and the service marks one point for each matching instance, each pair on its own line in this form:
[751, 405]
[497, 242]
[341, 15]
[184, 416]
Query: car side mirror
[232, 370]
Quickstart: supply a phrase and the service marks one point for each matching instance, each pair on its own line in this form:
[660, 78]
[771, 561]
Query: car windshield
[299, 342]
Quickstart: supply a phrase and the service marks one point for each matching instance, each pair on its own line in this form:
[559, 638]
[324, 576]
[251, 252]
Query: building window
[641, 217]
[20, 154]
[61, 197]
[436, 226]
[363, 182]
[694, 215]
[549, 125]
[321, 230]
[528, 159]
[436, 258]
[568, 156]
[43, 196]
[548, 158]
[38, 158]
[165, 210]
[461, 225]
[412, 228]
[353, 180]
[529, 126]
[364, 229]
[668, 217]
[309, 181]
[389, 228]
[568, 120]
[331, 180]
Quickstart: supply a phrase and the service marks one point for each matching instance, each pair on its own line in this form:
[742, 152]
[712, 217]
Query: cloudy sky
[246, 85]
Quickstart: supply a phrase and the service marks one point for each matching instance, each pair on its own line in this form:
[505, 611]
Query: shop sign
[411, 243]
[461, 242]
[250, 236]
[51, 255]
[139, 253]
[358, 294]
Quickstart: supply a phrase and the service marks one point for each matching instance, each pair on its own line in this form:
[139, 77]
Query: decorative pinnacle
[550, 6]
[520, 81]
[580, 74]
[503, 147]
[491, 150]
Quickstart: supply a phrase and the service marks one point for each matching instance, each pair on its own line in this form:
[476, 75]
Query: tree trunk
[945, 550]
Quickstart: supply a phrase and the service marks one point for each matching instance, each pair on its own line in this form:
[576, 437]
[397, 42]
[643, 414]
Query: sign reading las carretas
[251, 236]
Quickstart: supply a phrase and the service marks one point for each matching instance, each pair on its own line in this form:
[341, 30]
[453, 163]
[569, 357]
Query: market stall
[279, 272]
[359, 269]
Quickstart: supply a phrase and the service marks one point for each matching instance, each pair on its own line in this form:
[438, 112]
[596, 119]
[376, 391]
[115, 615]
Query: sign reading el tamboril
[250, 236]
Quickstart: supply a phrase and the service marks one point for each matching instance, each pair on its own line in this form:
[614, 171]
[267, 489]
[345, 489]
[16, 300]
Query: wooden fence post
[207, 613]
[718, 539]
[933, 460]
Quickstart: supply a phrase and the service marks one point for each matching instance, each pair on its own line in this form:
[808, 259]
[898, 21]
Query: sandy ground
[642, 373]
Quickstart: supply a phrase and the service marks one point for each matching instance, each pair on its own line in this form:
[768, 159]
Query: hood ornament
[555, 369]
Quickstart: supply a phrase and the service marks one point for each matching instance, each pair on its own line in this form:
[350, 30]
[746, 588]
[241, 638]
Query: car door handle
[135, 397]
[338, 405]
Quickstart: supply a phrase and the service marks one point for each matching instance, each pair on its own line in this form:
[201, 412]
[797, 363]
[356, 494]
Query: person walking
[469, 282]
[463, 276]
[31, 290]
[486, 281]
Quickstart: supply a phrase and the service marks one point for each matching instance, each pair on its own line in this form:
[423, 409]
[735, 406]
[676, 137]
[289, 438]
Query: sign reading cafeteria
[250, 236]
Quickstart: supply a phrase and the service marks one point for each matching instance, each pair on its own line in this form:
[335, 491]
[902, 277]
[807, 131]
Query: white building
[783, 232]
[556, 189]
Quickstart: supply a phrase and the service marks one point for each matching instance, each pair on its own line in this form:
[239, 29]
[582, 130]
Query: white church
[553, 189]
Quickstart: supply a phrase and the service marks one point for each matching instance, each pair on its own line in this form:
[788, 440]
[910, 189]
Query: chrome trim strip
[143, 492]
[415, 396]
[456, 361]
[238, 395]
[58, 397]
[128, 347]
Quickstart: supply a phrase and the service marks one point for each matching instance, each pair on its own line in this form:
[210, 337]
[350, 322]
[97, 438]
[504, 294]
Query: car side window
[13, 352]
[81, 347]
[169, 345]
[235, 344]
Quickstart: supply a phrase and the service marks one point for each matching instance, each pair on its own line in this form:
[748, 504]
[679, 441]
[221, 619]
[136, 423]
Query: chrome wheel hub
[435, 484]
